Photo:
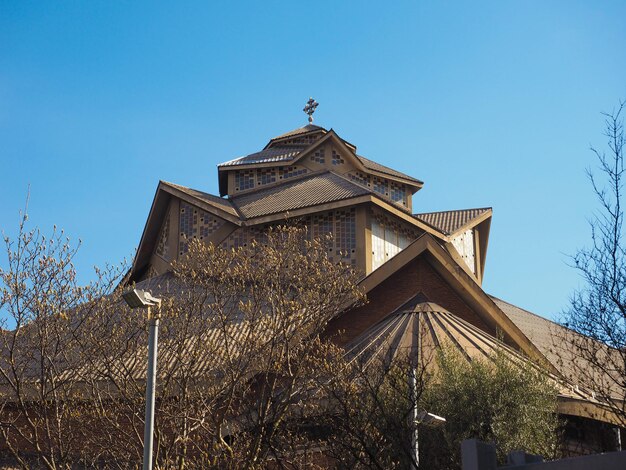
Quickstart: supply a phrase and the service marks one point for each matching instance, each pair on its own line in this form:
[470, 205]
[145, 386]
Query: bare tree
[240, 357]
[595, 351]
[41, 403]
[369, 422]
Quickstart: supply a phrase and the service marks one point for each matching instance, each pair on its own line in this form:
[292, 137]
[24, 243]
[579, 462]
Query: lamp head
[431, 420]
[137, 298]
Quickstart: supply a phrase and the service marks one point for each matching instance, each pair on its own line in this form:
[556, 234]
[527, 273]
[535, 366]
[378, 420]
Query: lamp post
[137, 298]
[423, 418]
[429, 420]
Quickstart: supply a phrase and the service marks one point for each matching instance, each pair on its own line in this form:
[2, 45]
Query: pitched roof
[556, 342]
[215, 201]
[275, 151]
[301, 130]
[372, 165]
[270, 155]
[309, 190]
[535, 327]
[449, 222]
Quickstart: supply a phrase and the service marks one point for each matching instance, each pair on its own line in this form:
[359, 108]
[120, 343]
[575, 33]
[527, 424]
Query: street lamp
[137, 298]
[430, 420]
[423, 418]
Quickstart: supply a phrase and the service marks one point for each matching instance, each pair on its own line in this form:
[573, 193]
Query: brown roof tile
[270, 155]
[449, 222]
[298, 193]
[215, 201]
[372, 165]
[556, 343]
[536, 328]
[301, 130]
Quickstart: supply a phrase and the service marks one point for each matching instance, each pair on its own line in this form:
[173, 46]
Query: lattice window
[322, 224]
[337, 158]
[318, 156]
[266, 176]
[341, 224]
[242, 237]
[397, 192]
[291, 171]
[380, 186]
[304, 140]
[195, 223]
[162, 248]
[345, 234]
[360, 178]
[244, 180]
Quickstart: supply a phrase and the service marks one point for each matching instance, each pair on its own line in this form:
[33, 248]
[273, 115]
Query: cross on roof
[310, 108]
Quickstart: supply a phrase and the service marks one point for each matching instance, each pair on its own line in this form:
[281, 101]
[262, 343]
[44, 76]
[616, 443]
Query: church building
[422, 272]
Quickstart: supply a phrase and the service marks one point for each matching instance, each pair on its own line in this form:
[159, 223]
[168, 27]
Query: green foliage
[510, 403]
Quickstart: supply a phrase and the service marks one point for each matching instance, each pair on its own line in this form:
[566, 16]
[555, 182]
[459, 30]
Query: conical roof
[419, 328]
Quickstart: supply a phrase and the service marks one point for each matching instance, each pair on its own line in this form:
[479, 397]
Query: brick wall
[415, 278]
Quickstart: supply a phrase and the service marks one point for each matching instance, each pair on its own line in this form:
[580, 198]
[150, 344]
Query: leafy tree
[497, 400]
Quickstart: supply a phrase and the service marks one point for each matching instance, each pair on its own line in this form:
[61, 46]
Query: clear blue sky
[490, 103]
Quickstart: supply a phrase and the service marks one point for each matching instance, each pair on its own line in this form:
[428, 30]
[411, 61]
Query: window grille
[244, 180]
[195, 223]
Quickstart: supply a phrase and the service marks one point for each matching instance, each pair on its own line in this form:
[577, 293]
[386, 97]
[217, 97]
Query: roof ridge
[210, 199]
[189, 188]
[297, 149]
[454, 210]
[493, 297]
[386, 170]
[451, 221]
[299, 131]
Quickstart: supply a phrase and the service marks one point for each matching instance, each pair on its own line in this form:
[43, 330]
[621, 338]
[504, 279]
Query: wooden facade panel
[465, 245]
[389, 237]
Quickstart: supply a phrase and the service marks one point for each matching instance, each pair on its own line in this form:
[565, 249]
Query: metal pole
[153, 325]
[413, 418]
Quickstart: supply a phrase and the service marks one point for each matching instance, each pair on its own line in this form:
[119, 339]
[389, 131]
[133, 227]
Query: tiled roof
[449, 222]
[536, 328]
[418, 329]
[215, 201]
[543, 333]
[270, 155]
[280, 152]
[211, 357]
[372, 165]
[301, 130]
[310, 190]
[555, 343]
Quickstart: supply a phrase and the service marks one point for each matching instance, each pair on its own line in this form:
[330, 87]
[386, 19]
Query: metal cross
[310, 108]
